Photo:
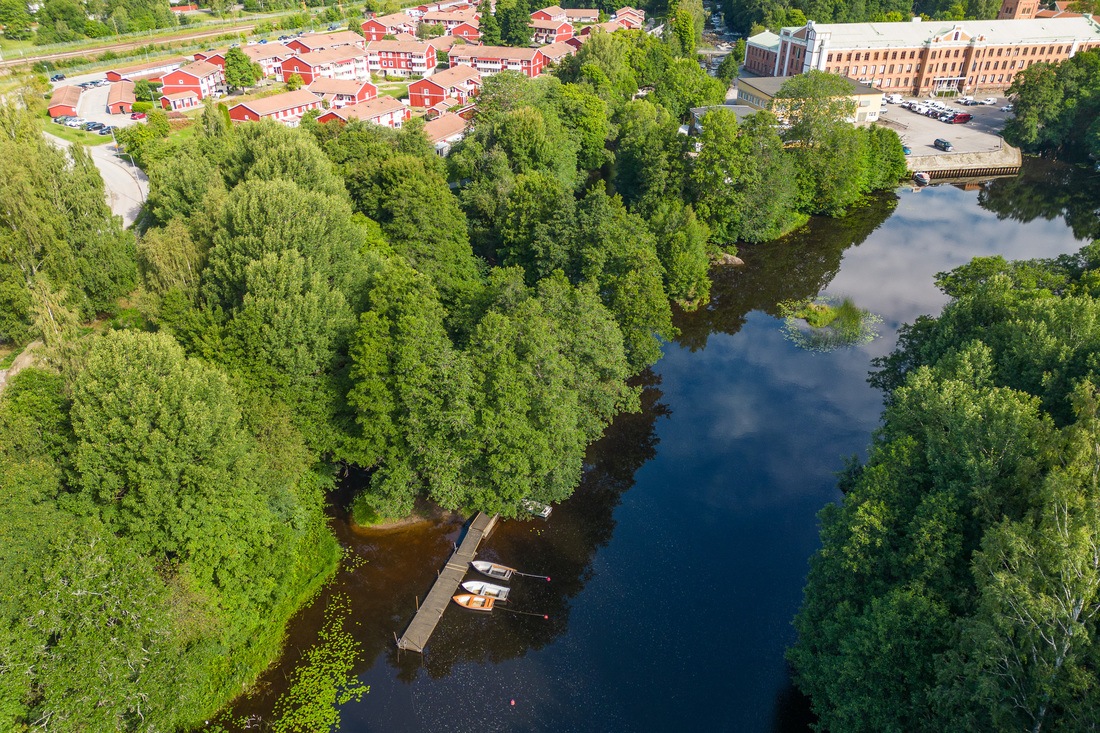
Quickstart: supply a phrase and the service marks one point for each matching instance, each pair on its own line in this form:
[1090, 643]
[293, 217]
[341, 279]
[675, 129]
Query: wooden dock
[431, 610]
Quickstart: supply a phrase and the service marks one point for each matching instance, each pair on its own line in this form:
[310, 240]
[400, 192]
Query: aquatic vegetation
[827, 323]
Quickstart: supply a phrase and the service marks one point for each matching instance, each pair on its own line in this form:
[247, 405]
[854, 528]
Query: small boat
[481, 588]
[493, 570]
[921, 178]
[474, 602]
[537, 508]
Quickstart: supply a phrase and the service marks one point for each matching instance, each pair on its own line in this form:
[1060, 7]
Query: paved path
[21, 362]
[126, 186]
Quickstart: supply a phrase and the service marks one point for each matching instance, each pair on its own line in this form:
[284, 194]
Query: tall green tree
[240, 71]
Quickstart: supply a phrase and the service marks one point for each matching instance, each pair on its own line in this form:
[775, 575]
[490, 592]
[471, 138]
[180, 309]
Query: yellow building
[760, 93]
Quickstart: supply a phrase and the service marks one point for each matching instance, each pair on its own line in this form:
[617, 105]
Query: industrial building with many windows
[923, 58]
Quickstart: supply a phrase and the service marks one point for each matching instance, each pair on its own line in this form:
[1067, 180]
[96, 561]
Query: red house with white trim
[489, 60]
[630, 18]
[343, 92]
[551, 31]
[149, 70]
[180, 101]
[321, 41]
[346, 62]
[120, 98]
[470, 31]
[374, 29]
[449, 19]
[201, 78]
[459, 82]
[555, 52]
[553, 12]
[401, 58]
[582, 15]
[385, 111]
[286, 108]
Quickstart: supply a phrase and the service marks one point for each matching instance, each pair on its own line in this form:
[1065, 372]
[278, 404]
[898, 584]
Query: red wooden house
[459, 82]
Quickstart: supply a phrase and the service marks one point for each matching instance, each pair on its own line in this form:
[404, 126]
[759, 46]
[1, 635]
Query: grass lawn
[8, 46]
[398, 90]
[73, 135]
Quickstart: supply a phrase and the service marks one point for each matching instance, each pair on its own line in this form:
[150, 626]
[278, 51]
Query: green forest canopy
[958, 585]
[298, 298]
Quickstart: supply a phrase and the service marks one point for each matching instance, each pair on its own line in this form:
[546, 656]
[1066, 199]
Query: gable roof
[454, 75]
[438, 16]
[368, 110]
[324, 85]
[66, 96]
[329, 56]
[327, 40]
[494, 52]
[279, 102]
[584, 13]
[121, 91]
[549, 25]
[445, 126]
[199, 69]
[400, 46]
[551, 10]
[558, 50]
[266, 51]
[995, 32]
[392, 20]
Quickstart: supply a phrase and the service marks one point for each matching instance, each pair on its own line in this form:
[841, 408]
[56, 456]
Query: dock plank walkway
[431, 610]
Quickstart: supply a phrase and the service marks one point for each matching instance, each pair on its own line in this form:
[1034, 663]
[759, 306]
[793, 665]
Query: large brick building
[923, 58]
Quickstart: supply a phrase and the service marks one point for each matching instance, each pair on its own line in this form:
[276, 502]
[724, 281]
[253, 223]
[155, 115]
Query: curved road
[126, 186]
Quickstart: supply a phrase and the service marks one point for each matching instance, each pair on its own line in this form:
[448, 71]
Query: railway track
[125, 46]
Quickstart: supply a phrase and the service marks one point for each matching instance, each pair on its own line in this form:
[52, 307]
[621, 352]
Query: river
[678, 564]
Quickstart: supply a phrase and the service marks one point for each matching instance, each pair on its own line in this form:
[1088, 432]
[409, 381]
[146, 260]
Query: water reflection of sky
[684, 620]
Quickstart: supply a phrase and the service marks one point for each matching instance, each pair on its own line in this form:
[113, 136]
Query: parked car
[137, 116]
[75, 122]
[989, 101]
[93, 126]
[966, 100]
[893, 99]
[57, 77]
[944, 145]
[1007, 108]
[906, 149]
[106, 130]
[61, 120]
[962, 118]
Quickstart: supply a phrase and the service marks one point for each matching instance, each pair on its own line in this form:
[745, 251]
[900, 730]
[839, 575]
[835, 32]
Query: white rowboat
[500, 572]
[481, 588]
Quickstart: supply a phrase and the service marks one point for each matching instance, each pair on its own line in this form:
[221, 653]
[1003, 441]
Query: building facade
[924, 58]
[401, 58]
[378, 27]
[64, 101]
[286, 108]
[761, 93]
[459, 83]
[334, 63]
[120, 98]
[201, 78]
[489, 60]
[385, 111]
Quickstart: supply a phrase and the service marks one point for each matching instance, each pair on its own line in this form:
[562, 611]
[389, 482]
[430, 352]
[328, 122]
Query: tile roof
[454, 75]
[370, 109]
[279, 102]
[267, 51]
[325, 85]
[66, 96]
[400, 46]
[199, 69]
[445, 126]
[438, 16]
[393, 19]
[995, 32]
[330, 55]
[494, 52]
[326, 40]
[121, 91]
[557, 51]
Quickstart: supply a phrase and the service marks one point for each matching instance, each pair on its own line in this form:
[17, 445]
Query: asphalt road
[126, 186]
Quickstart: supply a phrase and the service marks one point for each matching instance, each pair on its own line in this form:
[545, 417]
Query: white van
[893, 98]
[967, 99]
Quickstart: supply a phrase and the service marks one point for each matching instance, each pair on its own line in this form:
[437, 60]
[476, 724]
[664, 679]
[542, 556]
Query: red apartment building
[321, 41]
[343, 92]
[630, 18]
[286, 108]
[401, 58]
[120, 98]
[470, 31]
[385, 111]
[460, 83]
[376, 28]
[449, 19]
[200, 78]
[489, 60]
[347, 62]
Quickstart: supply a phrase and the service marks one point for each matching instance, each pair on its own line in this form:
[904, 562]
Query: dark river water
[678, 564]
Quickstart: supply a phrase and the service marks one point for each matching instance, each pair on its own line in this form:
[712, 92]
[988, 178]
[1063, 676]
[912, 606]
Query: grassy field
[73, 135]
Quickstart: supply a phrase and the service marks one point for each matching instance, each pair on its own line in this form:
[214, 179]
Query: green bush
[143, 106]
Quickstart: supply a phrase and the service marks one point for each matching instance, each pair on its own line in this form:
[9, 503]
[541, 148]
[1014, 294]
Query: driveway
[126, 186]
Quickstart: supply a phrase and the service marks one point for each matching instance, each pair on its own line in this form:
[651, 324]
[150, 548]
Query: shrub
[143, 107]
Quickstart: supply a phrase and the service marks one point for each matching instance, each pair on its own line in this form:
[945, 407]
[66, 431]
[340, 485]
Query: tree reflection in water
[1048, 190]
[388, 571]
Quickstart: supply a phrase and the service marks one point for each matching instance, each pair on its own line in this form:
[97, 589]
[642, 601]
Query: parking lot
[918, 132]
[93, 101]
